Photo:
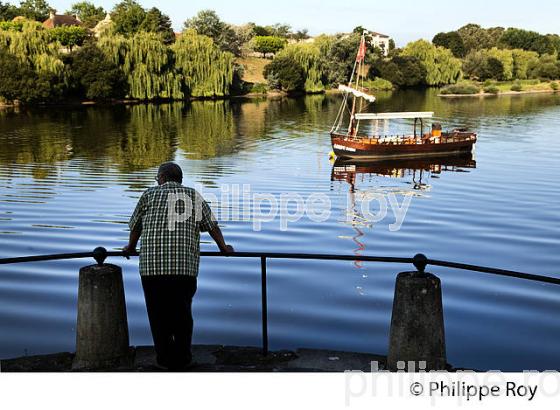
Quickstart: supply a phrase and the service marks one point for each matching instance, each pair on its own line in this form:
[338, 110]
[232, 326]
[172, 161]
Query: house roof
[56, 20]
[373, 33]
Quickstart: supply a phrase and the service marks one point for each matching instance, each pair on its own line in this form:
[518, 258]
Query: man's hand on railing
[227, 249]
[128, 250]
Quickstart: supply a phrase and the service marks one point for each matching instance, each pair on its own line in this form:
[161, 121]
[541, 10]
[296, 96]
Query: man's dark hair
[170, 171]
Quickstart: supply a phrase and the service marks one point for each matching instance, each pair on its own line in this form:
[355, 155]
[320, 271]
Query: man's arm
[216, 234]
[132, 241]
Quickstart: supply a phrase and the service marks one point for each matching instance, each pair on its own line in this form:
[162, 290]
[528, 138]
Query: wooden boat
[353, 140]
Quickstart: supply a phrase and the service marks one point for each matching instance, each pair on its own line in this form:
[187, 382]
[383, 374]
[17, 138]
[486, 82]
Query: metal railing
[419, 261]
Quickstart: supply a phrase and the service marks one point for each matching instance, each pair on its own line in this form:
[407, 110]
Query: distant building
[103, 25]
[57, 20]
[380, 41]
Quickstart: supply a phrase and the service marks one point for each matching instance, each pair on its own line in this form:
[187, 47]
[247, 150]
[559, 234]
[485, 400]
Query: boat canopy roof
[393, 115]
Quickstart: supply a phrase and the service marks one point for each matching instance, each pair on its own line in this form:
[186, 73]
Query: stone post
[102, 328]
[417, 331]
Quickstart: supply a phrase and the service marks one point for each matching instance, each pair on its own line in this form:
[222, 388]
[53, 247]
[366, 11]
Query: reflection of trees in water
[147, 138]
[207, 129]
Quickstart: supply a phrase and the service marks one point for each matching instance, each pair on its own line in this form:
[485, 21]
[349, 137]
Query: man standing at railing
[169, 218]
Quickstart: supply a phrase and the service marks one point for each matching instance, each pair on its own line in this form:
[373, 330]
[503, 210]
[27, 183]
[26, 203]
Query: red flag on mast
[361, 51]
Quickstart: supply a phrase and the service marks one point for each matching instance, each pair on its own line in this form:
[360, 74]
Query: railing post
[417, 336]
[264, 307]
[102, 328]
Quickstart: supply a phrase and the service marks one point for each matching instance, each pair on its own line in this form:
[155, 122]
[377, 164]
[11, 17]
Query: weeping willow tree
[147, 63]
[34, 47]
[308, 56]
[441, 66]
[207, 71]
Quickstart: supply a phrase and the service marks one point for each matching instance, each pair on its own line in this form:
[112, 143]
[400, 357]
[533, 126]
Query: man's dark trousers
[169, 301]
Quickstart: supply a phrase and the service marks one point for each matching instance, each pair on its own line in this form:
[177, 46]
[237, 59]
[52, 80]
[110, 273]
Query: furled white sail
[357, 93]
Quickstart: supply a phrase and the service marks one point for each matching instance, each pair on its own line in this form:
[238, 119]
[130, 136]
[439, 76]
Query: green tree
[19, 81]
[547, 68]
[157, 22]
[128, 16]
[95, 76]
[402, 71]
[441, 66]
[527, 40]
[280, 30]
[338, 55]
[207, 70]
[308, 57]
[261, 30]
[301, 35]
[35, 9]
[476, 38]
[268, 44]
[147, 63]
[287, 72]
[522, 61]
[208, 23]
[8, 11]
[452, 41]
[88, 13]
[69, 36]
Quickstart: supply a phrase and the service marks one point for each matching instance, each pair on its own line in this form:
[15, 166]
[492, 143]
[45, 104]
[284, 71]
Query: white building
[379, 40]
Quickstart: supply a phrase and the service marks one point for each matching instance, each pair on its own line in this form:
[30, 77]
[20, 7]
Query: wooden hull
[359, 149]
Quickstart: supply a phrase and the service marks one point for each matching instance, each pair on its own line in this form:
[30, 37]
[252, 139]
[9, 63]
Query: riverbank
[483, 94]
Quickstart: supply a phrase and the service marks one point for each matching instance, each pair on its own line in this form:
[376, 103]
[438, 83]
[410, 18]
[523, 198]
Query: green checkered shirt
[171, 218]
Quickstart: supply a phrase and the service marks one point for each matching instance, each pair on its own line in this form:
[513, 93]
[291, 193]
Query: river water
[70, 178]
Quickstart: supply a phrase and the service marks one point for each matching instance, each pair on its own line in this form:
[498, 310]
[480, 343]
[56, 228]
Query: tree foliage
[147, 63]
[528, 40]
[452, 41]
[288, 74]
[207, 71]
[225, 36]
[268, 44]
[68, 36]
[441, 66]
[38, 10]
[95, 76]
[338, 54]
[157, 22]
[128, 16]
[308, 57]
[87, 12]
[402, 71]
[476, 38]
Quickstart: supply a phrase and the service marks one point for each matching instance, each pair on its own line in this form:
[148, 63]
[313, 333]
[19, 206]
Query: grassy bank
[493, 88]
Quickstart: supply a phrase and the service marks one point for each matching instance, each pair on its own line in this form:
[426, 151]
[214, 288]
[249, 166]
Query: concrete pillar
[102, 329]
[417, 331]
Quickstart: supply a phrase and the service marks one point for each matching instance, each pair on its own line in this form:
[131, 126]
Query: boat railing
[419, 261]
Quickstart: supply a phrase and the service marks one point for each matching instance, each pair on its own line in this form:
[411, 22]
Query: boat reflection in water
[364, 184]
[415, 169]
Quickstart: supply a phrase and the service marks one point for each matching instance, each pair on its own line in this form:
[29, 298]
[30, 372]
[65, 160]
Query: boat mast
[360, 57]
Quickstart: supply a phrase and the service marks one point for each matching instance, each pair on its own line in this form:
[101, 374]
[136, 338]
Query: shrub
[259, 88]
[488, 83]
[461, 88]
[516, 86]
[379, 84]
[492, 89]
[554, 86]
[285, 73]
